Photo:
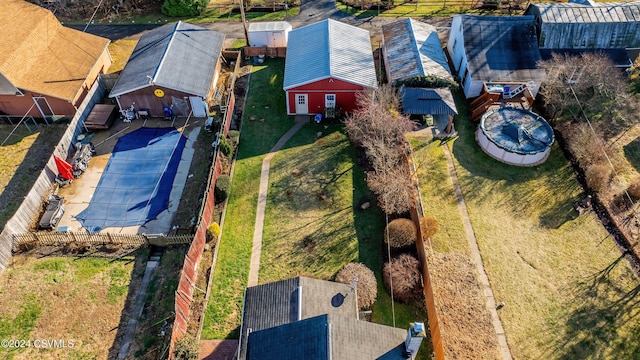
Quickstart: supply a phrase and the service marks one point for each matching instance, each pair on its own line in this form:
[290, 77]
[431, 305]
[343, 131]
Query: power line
[604, 152]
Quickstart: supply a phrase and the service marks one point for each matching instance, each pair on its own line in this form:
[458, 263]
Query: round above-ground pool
[515, 136]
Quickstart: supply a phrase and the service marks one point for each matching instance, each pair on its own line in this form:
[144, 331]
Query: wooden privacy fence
[60, 238]
[27, 213]
[189, 273]
[263, 50]
[417, 213]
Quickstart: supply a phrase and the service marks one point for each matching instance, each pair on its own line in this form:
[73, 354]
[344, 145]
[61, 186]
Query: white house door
[330, 100]
[198, 106]
[302, 104]
[43, 106]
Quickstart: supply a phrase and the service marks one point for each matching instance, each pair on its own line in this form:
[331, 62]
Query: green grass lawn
[567, 294]
[266, 104]
[313, 225]
[53, 297]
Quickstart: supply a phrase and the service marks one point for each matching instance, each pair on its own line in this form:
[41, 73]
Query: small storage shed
[327, 64]
[176, 64]
[494, 48]
[587, 26]
[269, 33]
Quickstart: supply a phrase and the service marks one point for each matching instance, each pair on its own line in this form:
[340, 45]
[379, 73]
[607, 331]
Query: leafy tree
[184, 7]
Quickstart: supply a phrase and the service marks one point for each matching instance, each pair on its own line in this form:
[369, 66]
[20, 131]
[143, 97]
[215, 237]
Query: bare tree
[589, 82]
[379, 129]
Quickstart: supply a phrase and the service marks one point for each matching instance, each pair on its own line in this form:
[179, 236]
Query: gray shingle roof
[414, 49]
[326, 49]
[501, 48]
[277, 303]
[427, 101]
[315, 338]
[598, 12]
[177, 56]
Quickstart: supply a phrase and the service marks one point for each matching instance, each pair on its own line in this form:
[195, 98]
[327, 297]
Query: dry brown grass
[467, 325]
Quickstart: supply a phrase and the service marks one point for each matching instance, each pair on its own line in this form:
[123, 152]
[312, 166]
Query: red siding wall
[19, 105]
[345, 95]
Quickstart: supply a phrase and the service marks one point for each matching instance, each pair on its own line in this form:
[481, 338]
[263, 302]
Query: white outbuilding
[269, 33]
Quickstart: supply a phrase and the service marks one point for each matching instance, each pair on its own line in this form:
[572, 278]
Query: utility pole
[244, 22]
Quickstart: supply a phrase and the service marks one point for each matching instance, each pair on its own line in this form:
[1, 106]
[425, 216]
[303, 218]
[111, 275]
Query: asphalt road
[311, 11]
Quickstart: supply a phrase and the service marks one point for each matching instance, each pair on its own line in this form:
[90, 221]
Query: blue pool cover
[517, 130]
[137, 180]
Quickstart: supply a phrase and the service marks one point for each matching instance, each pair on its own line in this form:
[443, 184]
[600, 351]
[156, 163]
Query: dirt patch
[465, 323]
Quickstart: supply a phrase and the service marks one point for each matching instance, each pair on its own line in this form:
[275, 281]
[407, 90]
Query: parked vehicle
[53, 213]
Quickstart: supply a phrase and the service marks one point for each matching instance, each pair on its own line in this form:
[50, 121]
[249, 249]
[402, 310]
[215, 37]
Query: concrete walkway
[475, 253]
[138, 307]
[256, 251]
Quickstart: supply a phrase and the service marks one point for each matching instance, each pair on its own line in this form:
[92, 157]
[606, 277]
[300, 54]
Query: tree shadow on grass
[548, 190]
[632, 153]
[604, 322]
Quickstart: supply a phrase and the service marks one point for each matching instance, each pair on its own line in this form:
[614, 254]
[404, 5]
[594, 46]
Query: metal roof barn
[327, 64]
[605, 27]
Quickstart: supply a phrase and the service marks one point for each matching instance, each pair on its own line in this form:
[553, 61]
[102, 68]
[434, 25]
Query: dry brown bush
[598, 177]
[400, 233]
[404, 272]
[634, 188]
[428, 227]
[367, 286]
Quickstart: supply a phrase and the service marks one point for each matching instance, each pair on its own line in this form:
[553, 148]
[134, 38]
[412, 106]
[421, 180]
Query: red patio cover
[64, 168]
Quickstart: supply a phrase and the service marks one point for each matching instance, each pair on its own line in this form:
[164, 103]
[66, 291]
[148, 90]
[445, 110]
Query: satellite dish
[337, 300]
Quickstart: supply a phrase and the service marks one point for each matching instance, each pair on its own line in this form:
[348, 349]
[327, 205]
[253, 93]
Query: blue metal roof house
[499, 49]
[174, 64]
[327, 64]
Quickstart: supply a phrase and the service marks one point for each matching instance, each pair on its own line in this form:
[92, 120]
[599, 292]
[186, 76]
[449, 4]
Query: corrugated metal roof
[326, 49]
[422, 101]
[598, 12]
[619, 57]
[177, 56]
[501, 48]
[269, 26]
[414, 49]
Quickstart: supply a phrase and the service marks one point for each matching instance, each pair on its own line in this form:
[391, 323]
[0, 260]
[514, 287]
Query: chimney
[414, 338]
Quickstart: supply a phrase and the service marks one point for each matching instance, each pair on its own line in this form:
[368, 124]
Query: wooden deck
[218, 349]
